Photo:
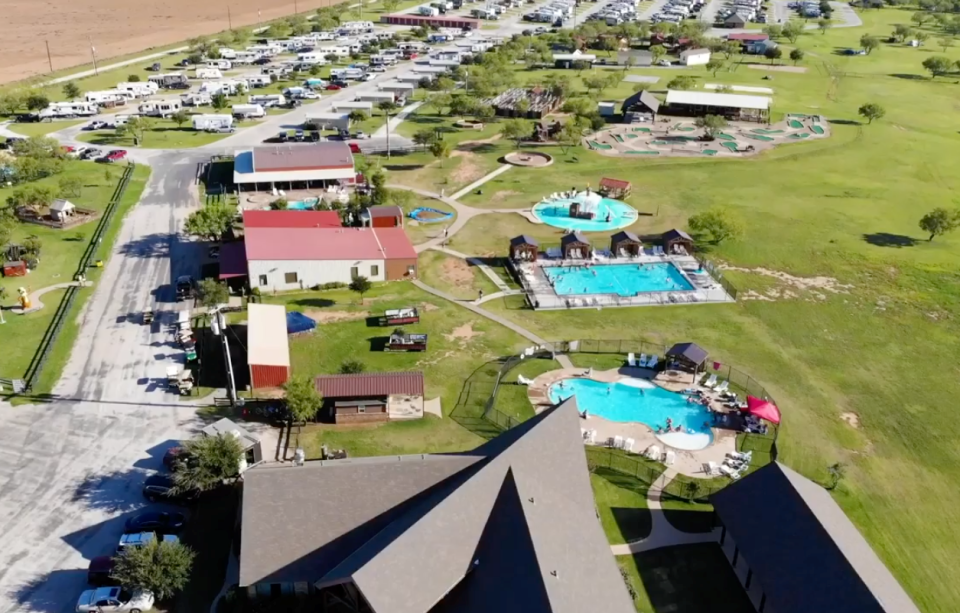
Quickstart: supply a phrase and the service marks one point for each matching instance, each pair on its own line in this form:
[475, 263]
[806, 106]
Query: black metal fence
[35, 368]
[717, 274]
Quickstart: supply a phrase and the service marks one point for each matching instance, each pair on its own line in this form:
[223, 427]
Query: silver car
[114, 600]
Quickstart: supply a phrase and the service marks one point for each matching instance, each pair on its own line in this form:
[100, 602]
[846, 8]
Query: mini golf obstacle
[710, 152]
[765, 139]
[730, 146]
[799, 135]
[817, 129]
[642, 152]
[765, 131]
[723, 136]
[425, 214]
[795, 124]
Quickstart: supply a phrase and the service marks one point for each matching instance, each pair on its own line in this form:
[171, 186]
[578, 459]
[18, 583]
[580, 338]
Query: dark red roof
[370, 384]
[233, 260]
[328, 244]
[614, 183]
[385, 211]
[748, 37]
[332, 154]
[291, 219]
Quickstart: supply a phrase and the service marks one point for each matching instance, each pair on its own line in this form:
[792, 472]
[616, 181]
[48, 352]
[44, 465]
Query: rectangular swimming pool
[620, 279]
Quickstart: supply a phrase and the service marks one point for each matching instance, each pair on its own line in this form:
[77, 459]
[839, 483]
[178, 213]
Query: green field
[165, 134]
[42, 128]
[453, 276]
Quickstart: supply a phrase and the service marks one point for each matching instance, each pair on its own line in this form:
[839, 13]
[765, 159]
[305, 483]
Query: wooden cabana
[524, 248]
[687, 356]
[677, 241]
[614, 188]
[575, 246]
[625, 244]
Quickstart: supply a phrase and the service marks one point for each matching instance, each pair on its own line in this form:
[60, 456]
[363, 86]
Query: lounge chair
[711, 469]
[523, 380]
[709, 383]
[670, 458]
[740, 455]
[722, 387]
[618, 442]
[628, 444]
[652, 362]
[632, 361]
[733, 474]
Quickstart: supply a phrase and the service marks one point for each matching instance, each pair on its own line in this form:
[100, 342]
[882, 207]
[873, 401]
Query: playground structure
[684, 138]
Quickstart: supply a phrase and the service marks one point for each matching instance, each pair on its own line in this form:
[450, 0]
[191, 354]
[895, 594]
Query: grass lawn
[423, 171]
[453, 276]
[845, 209]
[459, 344]
[685, 579]
[422, 232]
[42, 128]
[60, 255]
[622, 505]
[165, 134]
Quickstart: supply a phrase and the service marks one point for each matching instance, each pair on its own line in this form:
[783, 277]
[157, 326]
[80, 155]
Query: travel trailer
[69, 109]
[268, 100]
[219, 64]
[260, 80]
[160, 108]
[209, 73]
[139, 90]
[212, 123]
[314, 58]
[108, 97]
[248, 111]
[196, 99]
[170, 80]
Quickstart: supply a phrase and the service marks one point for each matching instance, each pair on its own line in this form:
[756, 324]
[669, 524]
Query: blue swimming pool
[557, 213]
[302, 205]
[637, 400]
[620, 279]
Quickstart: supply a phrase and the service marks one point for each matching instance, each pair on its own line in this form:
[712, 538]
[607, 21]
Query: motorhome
[212, 123]
[196, 99]
[69, 109]
[337, 50]
[160, 108]
[354, 27]
[428, 11]
[209, 73]
[321, 36]
[347, 73]
[227, 53]
[245, 57]
[169, 80]
[139, 90]
[268, 100]
[108, 97]
[266, 50]
[248, 111]
[314, 58]
[227, 88]
[260, 80]
[409, 46]
[300, 93]
[219, 64]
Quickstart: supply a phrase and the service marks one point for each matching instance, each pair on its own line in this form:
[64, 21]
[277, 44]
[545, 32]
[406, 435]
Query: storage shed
[575, 246]
[383, 217]
[371, 397]
[524, 248]
[625, 244]
[61, 209]
[268, 350]
[677, 241]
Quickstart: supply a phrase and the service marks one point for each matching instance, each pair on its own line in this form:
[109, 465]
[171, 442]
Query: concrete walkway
[397, 119]
[662, 532]
[36, 304]
[496, 173]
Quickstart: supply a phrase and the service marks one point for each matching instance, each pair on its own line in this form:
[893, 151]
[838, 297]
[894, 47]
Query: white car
[114, 599]
[377, 68]
[310, 95]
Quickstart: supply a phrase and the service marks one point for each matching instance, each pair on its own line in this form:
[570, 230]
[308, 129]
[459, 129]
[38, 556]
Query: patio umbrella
[763, 409]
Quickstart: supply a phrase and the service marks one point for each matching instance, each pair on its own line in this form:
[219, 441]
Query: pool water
[557, 213]
[620, 279]
[637, 400]
[302, 205]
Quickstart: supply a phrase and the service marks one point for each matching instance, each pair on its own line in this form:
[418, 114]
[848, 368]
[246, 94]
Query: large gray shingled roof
[513, 529]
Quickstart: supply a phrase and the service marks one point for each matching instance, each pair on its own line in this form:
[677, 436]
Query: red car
[332, 87]
[117, 154]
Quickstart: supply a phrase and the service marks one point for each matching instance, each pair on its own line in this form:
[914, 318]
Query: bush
[134, 78]
[327, 286]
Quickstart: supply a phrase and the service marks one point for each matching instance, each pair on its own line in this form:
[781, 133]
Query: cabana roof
[670, 235]
[574, 237]
[691, 352]
[625, 235]
[614, 184]
[523, 239]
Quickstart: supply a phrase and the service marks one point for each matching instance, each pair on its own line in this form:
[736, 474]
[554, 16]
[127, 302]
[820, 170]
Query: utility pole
[220, 328]
[388, 134]
[93, 53]
[229, 18]
[296, 8]
[49, 58]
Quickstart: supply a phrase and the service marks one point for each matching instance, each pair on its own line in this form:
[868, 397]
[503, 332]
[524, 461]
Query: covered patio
[688, 357]
[524, 247]
[575, 246]
[614, 188]
[625, 244]
[677, 241]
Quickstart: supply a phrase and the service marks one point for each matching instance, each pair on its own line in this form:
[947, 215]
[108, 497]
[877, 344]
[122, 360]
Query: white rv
[347, 73]
[69, 109]
[337, 50]
[260, 80]
[212, 123]
[267, 50]
[248, 111]
[227, 53]
[227, 88]
[209, 73]
[244, 57]
[160, 108]
[314, 58]
[108, 97]
[196, 99]
[219, 64]
[169, 79]
[268, 100]
[139, 90]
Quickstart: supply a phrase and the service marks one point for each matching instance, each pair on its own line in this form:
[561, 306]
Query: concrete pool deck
[690, 463]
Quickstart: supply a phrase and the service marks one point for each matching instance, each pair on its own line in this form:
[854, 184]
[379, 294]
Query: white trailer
[245, 57]
[108, 96]
[403, 89]
[337, 50]
[222, 64]
[160, 108]
[248, 111]
[209, 73]
[227, 53]
[139, 90]
[259, 80]
[353, 106]
[212, 123]
[328, 121]
[196, 99]
[376, 97]
[69, 109]
[267, 50]
[227, 88]
[268, 100]
[314, 58]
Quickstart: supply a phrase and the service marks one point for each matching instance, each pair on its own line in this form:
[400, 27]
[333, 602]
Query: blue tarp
[298, 322]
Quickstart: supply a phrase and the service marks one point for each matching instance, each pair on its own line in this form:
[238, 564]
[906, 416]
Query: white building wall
[696, 59]
[310, 272]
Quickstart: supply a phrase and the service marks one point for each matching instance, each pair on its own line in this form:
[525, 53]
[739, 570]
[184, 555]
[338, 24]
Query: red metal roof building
[268, 349]
[290, 166]
[291, 219]
[370, 384]
[398, 19]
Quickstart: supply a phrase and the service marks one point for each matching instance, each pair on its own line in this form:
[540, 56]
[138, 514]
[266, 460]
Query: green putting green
[723, 136]
[796, 125]
[686, 129]
[618, 138]
[800, 135]
[631, 135]
[817, 129]
[765, 131]
[643, 153]
[765, 139]
[732, 147]
[641, 130]
[597, 145]
[709, 152]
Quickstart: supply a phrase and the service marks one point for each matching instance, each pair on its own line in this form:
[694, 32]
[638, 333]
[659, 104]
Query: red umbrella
[763, 409]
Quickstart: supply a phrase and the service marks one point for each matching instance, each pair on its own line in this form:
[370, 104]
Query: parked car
[96, 125]
[139, 539]
[98, 572]
[90, 154]
[360, 134]
[377, 68]
[114, 599]
[161, 522]
[160, 488]
[261, 61]
[155, 67]
[332, 87]
[183, 63]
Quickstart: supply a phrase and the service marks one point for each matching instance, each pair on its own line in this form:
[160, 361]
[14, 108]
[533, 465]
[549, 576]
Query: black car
[159, 488]
[159, 522]
[261, 61]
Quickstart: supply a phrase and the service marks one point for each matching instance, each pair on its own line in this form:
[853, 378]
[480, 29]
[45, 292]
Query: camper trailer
[69, 109]
[209, 73]
[196, 99]
[171, 80]
[108, 97]
[337, 50]
[268, 100]
[301, 93]
[227, 88]
[248, 111]
[212, 123]
[260, 80]
[314, 58]
[347, 73]
[245, 57]
[139, 90]
[159, 108]
[265, 50]
[219, 64]
[227, 53]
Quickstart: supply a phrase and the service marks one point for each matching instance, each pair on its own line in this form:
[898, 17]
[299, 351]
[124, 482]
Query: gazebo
[687, 356]
[60, 209]
[575, 246]
[524, 248]
[677, 241]
[614, 188]
[625, 244]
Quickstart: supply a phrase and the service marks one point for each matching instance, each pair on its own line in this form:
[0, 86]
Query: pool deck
[688, 462]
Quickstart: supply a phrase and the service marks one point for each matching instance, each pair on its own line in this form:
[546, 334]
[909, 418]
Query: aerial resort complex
[543, 306]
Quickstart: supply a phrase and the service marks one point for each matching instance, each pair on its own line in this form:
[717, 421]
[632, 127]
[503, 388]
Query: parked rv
[268, 100]
[57, 110]
[213, 123]
[196, 99]
[209, 73]
[248, 111]
[160, 108]
[139, 90]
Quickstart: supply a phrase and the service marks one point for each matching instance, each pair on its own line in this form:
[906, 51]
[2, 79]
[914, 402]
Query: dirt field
[115, 28]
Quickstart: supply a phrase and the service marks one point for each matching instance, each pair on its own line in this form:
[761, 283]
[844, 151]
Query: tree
[796, 55]
[390, 5]
[357, 116]
[711, 124]
[219, 101]
[642, 87]
[920, 37]
[180, 117]
[920, 18]
[871, 111]
[837, 472]
[440, 149]
[579, 66]
[162, 567]
[208, 462]
[37, 101]
[596, 82]
[730, 48]
[715, 65]
[869, 43]
[36, 196]
[572, 132]
[773, 54]
[902, 32]
[937, 65]
[425, 138]
[213, 292]
[70, 186]
[774, 31]
[462, 104]
[656, 53]
[134, 78]
[33, 245]
[303, 399]
[682, 82]
[210, 221]
[823, 24]
[945, 43]
[792, 30]
[939, 221]
[137, 127]
[71, 90]
[361, 285]
[516, 130]
[718, 223]
[352, 367]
